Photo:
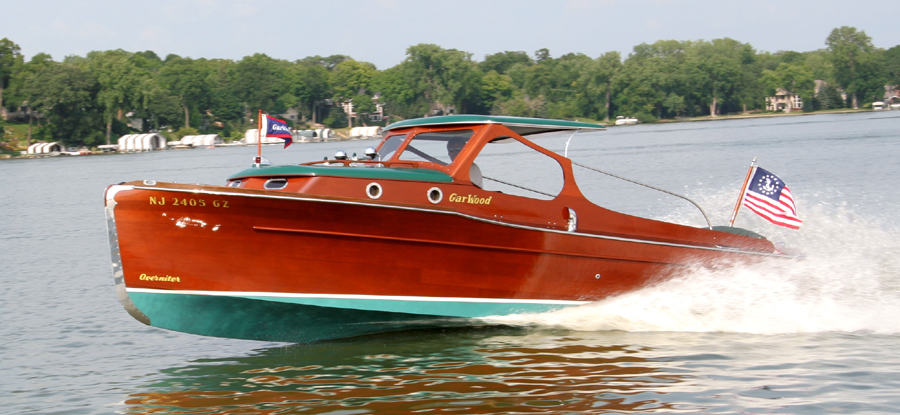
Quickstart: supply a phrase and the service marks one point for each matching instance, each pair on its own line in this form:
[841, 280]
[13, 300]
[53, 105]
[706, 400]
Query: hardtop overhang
[520, 125]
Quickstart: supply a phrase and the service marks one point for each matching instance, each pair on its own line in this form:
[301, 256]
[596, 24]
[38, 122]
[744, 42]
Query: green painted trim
[244, 318]
[384, 173]
[520, 125]
[464, 309]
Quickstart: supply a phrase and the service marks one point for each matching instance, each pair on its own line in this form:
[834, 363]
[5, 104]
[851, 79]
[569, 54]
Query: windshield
[440, 147]
[390, 146]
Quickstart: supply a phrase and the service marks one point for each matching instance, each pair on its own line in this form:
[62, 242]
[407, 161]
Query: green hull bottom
[243, 318]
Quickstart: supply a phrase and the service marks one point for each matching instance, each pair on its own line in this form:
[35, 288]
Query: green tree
[674, 104]
[568, 94]
[10, 56]
[147, 60]
[750, 93]
[855, 62]
[650, 74]
[818, 62]
[501, 62]
[328, 62]
[258, 81]
[316, 88]
[523, 106]
[351, 80]
[789, 56]
[185, 131]
[162, 109]
[225, 104]
[67, 96]
[715, 69]
[398, 93]
[599, 78]
[24, 73]
[495, 88]
[351, 77]
[829, 97]
[559, 84]
[891, 58]
[446, 77]
[189, 81]
[123, 85]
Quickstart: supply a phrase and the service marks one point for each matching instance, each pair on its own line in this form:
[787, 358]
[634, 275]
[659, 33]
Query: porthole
[435, 195]
[373, 190]
[275, 184]
[234, 183]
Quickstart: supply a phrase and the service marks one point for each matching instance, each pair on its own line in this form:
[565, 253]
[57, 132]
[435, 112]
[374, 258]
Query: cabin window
[390, 146]
[511, 167]
[438, 147]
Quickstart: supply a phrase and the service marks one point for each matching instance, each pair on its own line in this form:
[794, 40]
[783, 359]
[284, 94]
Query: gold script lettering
[470, 199]
[167, 278]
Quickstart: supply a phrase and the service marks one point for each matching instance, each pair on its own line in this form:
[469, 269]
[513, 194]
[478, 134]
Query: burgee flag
[277, 128]
[770, 198]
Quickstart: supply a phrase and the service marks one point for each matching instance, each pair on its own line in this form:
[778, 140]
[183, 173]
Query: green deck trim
[383, 173]
[520, 125]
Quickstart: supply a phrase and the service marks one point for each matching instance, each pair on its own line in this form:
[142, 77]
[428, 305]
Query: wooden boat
[412, 236]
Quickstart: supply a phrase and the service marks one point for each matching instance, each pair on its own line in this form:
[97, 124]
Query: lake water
[816, 336]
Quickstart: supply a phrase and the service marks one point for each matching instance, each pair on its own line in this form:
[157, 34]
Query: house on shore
[782, 102]
[892, 97]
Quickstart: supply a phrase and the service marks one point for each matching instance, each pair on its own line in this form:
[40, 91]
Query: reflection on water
[486, 370]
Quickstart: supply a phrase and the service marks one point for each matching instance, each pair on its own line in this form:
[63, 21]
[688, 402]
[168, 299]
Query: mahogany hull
[265, 265]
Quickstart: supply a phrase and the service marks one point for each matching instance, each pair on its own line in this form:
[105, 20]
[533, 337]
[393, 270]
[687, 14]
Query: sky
[380, 31]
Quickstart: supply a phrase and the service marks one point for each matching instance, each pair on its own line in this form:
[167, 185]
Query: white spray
[849, 281]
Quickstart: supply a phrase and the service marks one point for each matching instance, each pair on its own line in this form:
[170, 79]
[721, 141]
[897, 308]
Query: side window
[511, 167]
[437, 147]
[390, 146]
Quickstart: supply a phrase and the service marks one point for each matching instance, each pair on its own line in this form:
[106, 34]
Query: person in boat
[454, 146]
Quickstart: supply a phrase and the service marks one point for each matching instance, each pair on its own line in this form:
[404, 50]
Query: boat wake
[849, 281]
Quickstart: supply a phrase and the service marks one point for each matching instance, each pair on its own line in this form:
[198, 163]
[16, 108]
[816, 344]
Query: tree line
[88, 100]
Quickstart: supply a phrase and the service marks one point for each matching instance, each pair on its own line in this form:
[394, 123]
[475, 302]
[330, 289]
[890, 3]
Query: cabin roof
[520, 125]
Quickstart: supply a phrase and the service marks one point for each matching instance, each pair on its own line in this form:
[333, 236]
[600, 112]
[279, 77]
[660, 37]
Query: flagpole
[259, 135]
[737, 206]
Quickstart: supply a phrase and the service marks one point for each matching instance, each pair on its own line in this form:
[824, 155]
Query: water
[807, 337]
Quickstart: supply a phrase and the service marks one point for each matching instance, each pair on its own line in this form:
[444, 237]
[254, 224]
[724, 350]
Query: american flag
[768, 196]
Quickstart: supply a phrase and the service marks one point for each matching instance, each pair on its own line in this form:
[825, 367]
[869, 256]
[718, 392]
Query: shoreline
[706, 118]
[756, 115]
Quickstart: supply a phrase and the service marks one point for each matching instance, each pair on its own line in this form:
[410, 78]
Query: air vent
[275, 184]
